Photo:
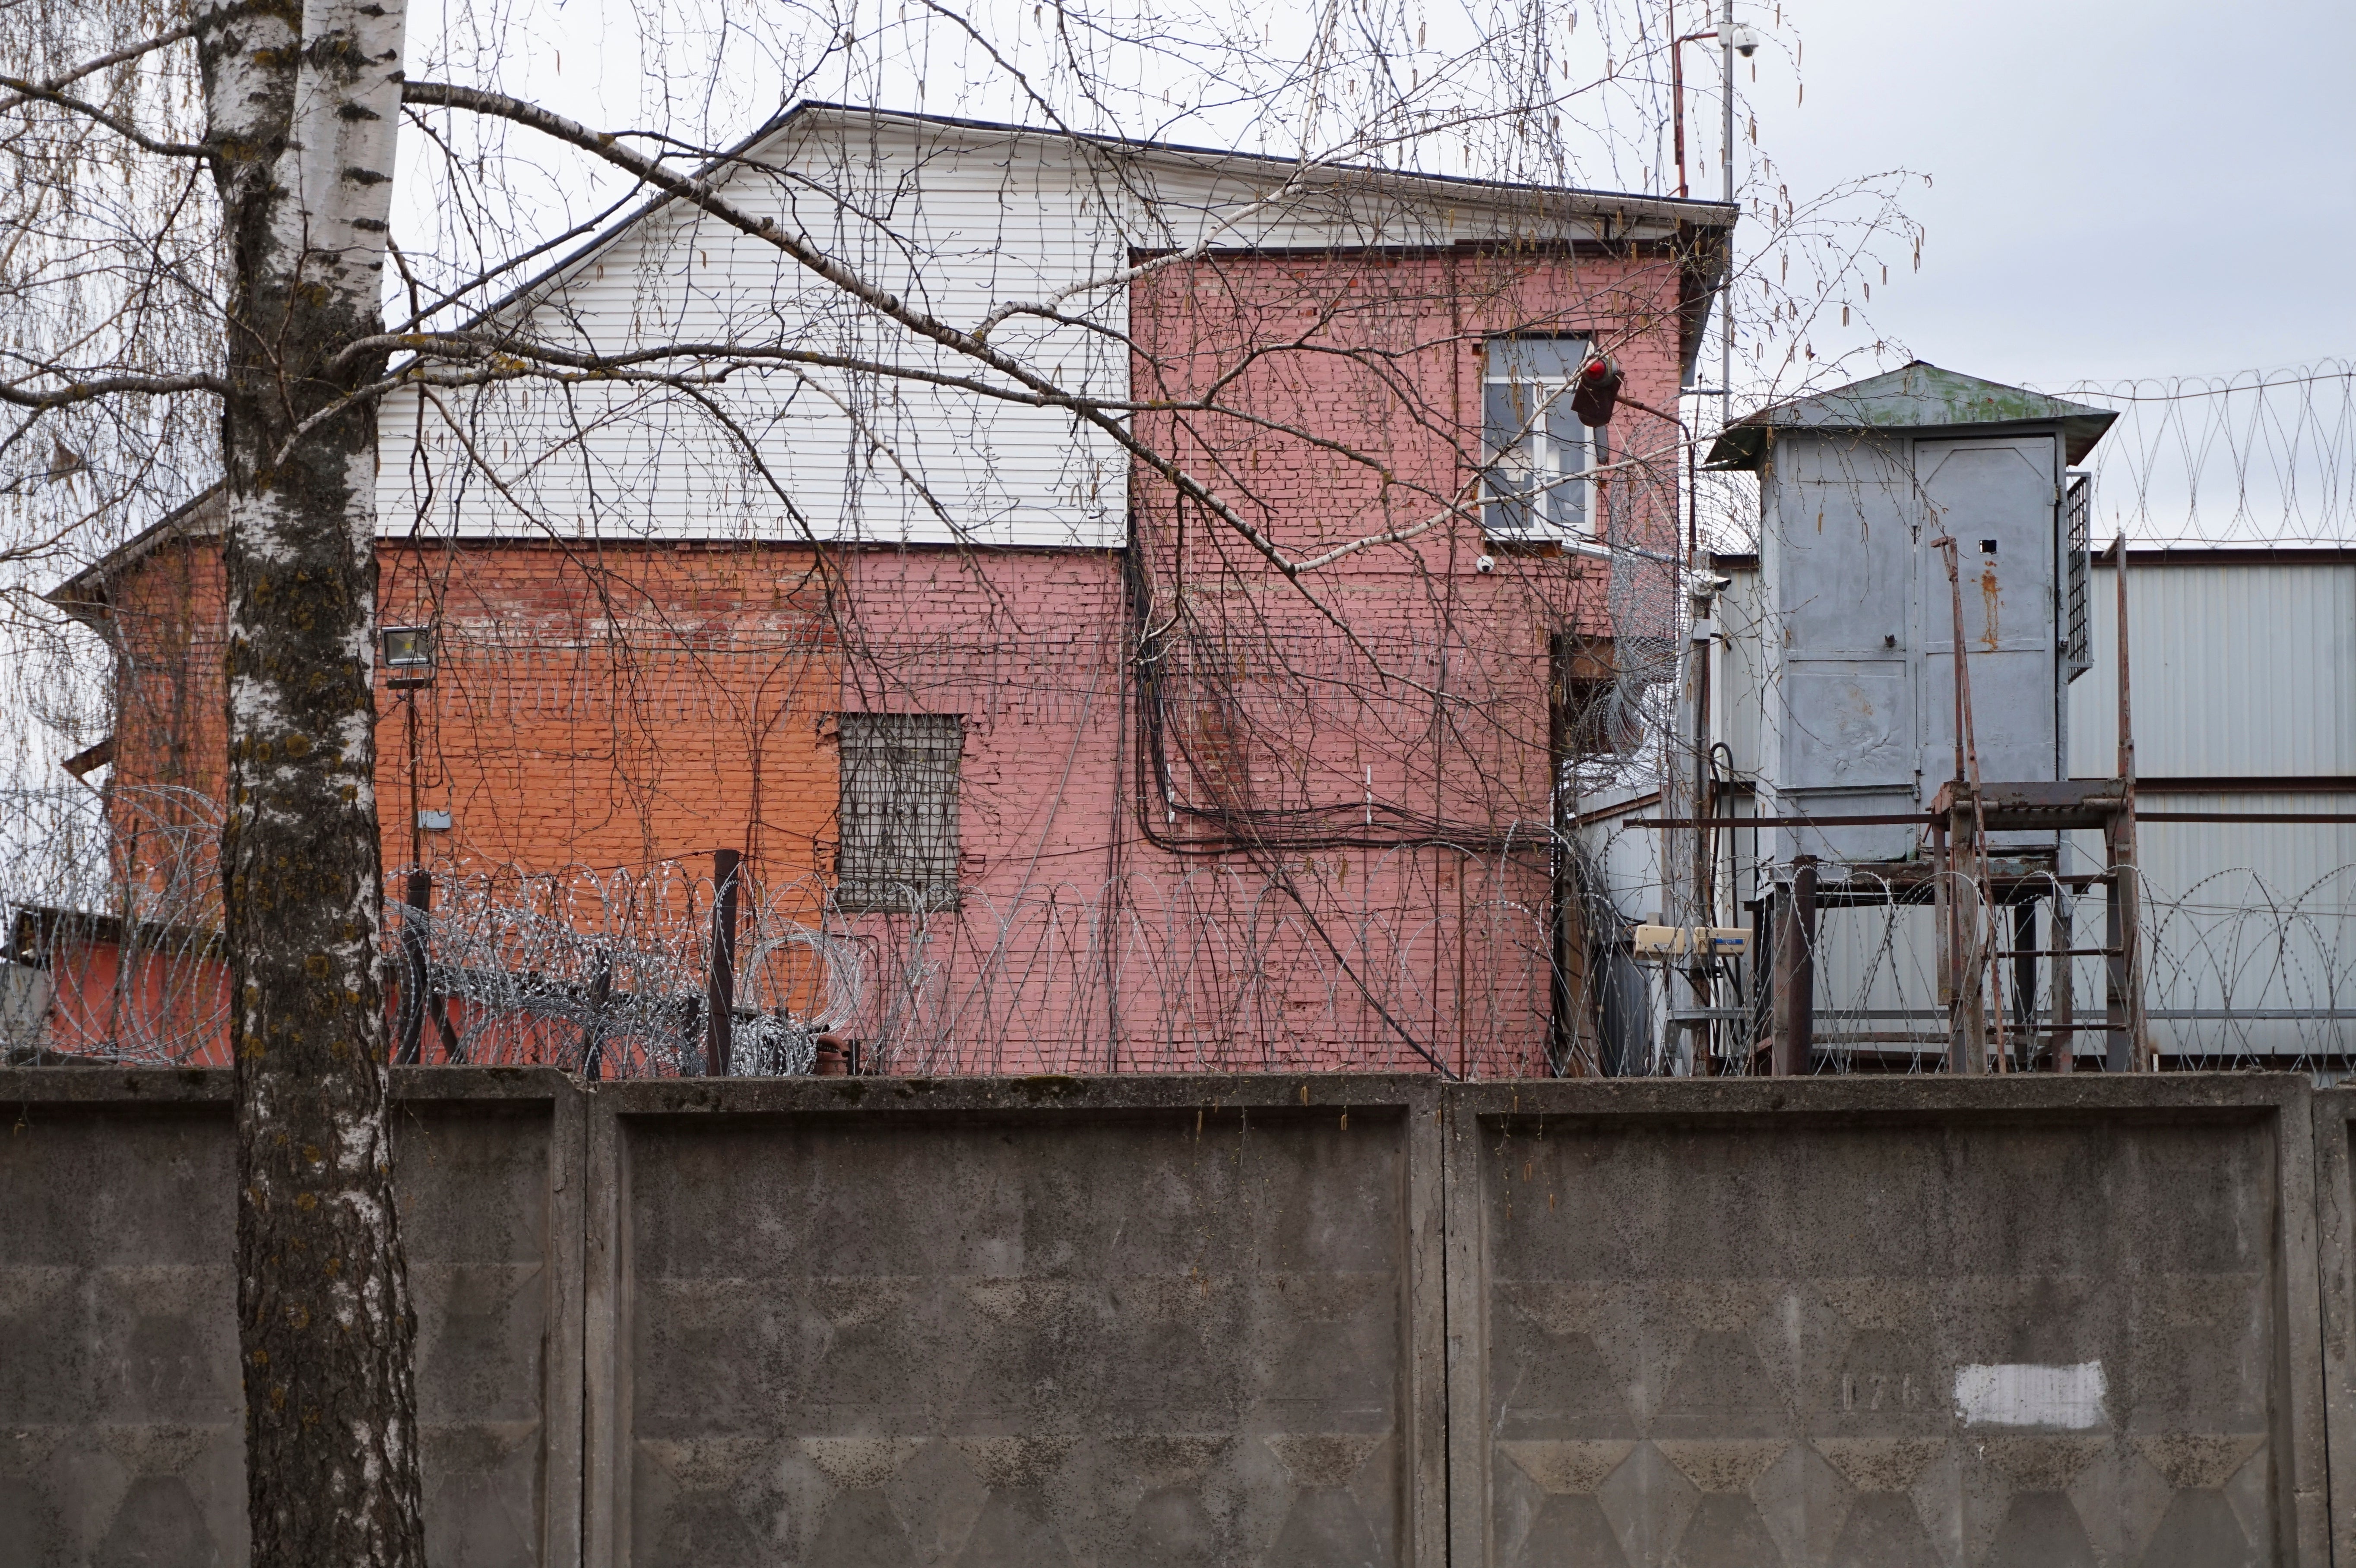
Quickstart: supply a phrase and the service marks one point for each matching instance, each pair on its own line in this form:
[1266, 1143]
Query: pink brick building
[1238, 752]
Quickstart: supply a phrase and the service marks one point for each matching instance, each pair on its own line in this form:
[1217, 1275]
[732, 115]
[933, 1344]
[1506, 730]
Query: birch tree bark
[302, 97]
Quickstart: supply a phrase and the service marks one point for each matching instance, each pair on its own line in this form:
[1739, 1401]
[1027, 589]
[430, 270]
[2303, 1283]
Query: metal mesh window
[2081, 506]
[899, 811]
[1537, 451]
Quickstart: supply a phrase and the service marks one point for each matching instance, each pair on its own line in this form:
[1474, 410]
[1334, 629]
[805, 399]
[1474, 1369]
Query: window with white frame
[1537, 454]
[899, 812]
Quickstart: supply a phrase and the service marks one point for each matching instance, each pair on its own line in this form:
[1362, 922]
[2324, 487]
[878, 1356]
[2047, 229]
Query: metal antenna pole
[1725, 299]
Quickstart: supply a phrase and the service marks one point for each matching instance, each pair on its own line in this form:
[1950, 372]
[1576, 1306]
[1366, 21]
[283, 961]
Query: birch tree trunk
[301, 99]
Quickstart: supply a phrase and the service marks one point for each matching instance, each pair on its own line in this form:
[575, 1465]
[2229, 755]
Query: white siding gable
[955, 222]
[958, 220]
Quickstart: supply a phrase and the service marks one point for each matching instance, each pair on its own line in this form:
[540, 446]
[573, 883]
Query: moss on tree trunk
[301, 102]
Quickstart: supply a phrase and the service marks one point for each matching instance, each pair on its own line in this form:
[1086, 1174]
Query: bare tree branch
[34, 92]
[128, 52]
[111, 386]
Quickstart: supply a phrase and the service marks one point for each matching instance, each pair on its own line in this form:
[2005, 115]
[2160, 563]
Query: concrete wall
[1912, 1322]
[122, 1420]
[1017, 1322]
[1268, 1320]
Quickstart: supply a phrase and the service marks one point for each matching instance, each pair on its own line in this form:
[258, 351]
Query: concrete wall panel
[1018, 1322]
[1911, 1321]
[121, 1419]
[2335, 1213]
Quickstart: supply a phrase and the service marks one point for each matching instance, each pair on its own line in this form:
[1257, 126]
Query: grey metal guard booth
[1858, 487]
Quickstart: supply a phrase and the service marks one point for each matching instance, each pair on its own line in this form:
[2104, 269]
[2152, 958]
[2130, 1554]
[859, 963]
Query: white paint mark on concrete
[2016, 1394]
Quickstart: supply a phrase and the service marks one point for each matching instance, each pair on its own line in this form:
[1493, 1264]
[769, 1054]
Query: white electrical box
[1684, 941]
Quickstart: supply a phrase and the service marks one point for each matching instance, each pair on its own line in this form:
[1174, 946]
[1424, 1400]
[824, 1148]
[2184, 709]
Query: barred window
[1538, 453]
[899, 812]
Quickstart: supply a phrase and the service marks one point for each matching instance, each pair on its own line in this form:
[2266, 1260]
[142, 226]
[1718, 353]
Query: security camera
[1485, 565]
[1742, 38]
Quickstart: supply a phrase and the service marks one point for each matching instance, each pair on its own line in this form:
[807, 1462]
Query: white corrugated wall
[2237, 669]
[2242, 666]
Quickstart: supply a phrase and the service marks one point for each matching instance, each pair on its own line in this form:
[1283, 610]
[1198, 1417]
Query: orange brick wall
[595, 707]
[613, 708]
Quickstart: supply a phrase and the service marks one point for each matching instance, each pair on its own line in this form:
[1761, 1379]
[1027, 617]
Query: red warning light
[1598, 391]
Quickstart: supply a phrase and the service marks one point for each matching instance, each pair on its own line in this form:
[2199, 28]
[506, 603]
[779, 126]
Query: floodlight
[408, 652]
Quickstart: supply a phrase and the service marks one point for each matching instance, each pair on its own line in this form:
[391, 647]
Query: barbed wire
[116, 956]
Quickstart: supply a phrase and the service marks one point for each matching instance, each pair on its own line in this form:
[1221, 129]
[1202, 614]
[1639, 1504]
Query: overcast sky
[2120, 190]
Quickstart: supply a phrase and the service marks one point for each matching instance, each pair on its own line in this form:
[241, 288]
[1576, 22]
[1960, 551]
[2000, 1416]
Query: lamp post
[1734, 37]
[407, 652]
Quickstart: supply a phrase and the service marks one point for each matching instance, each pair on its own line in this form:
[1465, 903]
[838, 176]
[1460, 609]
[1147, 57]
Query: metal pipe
[1971, 1015]
[1725, 300]
[2024, 975]
[2321, 1014]
[1564, 930]
[2132, 1053]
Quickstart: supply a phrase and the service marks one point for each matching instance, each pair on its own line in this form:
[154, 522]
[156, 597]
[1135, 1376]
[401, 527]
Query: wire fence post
[593, 1038]
[2064, 1036]
[418, 898]
[720, 995]
[1795, 972]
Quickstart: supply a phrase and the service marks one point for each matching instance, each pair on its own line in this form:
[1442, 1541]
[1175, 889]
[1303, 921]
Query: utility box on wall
[1858, 614]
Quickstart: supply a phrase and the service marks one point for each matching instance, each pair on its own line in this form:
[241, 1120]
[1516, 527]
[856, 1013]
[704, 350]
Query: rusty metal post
[1959, 948]
[1942, 906]
[2024, 980]
[1968, 957]
[2130, 1044]
[720, 992]
[2127, 1048]
[2127, 893]
[1972, 975]
[2062, 1042]
[1966, 948]
[1795, 972]
[418, 896]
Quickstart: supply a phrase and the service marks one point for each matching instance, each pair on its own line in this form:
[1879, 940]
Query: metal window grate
[2080, 504]
[899, 812]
